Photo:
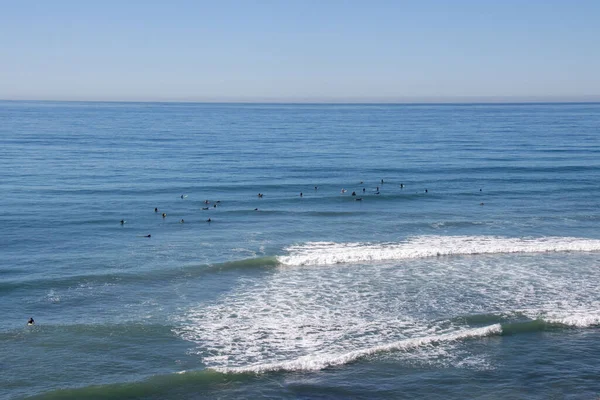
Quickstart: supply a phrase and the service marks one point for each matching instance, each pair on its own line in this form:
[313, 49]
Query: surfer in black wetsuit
[31, 321]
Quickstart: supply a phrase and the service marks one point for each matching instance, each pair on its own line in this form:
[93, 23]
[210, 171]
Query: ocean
[427, 251]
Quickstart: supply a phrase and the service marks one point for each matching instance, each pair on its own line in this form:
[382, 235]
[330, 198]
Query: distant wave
[324, 253]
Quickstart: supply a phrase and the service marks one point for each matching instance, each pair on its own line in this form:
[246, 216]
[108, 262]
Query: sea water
[465, 265]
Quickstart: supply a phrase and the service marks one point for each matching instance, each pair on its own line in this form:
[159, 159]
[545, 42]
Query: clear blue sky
[300, 50]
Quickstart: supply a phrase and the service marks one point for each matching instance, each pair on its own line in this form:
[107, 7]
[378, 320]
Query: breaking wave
[325, 253]
[318, 362]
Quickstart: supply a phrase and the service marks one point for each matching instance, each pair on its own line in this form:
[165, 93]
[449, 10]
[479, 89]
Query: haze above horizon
[301, 51]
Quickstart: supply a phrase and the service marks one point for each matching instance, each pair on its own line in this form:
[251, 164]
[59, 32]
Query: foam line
[326, 253]
[318, 362]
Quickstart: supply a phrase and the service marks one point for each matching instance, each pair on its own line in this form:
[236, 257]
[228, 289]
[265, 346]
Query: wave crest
[317, 362]
[326, 253]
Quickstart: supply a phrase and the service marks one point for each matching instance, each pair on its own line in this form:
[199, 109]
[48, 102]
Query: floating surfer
[31, 321]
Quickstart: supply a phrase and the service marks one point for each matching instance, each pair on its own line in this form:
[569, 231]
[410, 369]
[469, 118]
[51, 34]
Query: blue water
[468, 269]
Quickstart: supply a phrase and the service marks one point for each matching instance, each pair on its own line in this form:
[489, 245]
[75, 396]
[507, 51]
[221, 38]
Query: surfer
[364, 190]
[31, 321]
[300, 194]
[209, 220]
[402, 186]
[148, 235]
[353, 193]
[425, 190]
[155, 209]
[164, 215]
[205, 208]
[182, 221]
[122, 221]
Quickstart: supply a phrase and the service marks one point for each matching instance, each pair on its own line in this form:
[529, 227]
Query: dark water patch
[517, 323]
[188, 385]
[51, 333]
[538, 325]
[148, 277]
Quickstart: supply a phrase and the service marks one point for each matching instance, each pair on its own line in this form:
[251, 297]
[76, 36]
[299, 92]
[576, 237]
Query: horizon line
[333, 100]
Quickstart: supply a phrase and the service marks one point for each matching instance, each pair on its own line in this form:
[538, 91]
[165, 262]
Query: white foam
[326, 253]
[579, 320]
[318, 362]
[312, 318]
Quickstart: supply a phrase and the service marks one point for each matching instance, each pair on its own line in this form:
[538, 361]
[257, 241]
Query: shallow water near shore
[468, 268]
